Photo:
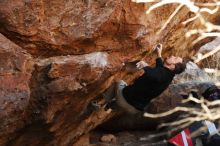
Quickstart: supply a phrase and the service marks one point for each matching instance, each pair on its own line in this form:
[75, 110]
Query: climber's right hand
[159, 49]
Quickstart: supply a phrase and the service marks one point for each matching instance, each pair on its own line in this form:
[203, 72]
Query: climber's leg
[121, 100]
[109, 101]
[109, 94]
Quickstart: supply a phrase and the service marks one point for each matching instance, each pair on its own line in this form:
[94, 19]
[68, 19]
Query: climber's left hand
[141, 64]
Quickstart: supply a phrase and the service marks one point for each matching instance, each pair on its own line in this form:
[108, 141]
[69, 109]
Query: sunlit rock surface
[58, 27]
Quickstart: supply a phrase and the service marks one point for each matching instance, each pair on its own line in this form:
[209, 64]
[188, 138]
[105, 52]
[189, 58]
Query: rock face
[70, 27]
[60, 27]
[78, 50]
[15, 73]
[68, 84]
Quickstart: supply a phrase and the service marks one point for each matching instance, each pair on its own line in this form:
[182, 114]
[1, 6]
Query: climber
[133, 98]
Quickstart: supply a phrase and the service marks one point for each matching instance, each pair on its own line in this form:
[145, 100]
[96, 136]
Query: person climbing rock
[133, 98]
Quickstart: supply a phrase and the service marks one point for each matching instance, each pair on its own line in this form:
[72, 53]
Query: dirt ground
[124, 138]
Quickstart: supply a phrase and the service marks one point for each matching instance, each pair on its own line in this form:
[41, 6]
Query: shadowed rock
[15, 73]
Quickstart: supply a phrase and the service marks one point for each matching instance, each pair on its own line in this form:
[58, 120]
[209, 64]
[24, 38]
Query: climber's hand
[141, 64]
[159, 49]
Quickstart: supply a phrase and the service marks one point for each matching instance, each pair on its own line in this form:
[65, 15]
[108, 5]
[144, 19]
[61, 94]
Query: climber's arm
[159, 61]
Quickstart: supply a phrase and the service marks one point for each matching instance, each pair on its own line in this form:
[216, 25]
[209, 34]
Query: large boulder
[60, 27]
[64, 92]
[15, 74]
[48, 28]
[79, 49]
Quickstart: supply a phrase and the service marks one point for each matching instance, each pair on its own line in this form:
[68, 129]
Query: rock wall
[53, 28]
[15, 74]
[60, 55]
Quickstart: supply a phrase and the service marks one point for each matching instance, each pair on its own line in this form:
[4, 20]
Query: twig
[194, 7]
[190, 19]
[176, 109]
[208, 54]
[170, 18]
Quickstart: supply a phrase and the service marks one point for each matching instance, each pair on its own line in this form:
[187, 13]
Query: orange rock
[79, 46]
[15, 74]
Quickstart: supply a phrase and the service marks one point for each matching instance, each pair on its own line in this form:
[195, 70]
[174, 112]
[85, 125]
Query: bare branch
[176, 109]
[187, 3]
[208, 110]
[207, 4]
[170, 18]
[208, 54]
[195, 7]
[190, 19]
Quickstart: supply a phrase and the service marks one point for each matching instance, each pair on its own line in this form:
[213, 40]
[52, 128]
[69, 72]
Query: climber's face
[172, 60]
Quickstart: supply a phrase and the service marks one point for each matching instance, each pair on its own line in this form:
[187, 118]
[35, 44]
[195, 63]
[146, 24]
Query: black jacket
[151, 84]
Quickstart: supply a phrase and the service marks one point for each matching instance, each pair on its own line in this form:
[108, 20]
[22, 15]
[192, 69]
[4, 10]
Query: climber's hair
[179, 67]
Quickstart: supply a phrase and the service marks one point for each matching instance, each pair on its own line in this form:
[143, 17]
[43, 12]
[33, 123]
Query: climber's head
[175, 64]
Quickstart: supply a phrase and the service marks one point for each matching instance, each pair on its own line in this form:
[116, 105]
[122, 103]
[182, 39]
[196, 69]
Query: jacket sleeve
[159, 62]
[152, 74]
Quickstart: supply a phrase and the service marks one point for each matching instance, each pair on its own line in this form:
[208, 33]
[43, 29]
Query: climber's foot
[109, 94]
[111, 105]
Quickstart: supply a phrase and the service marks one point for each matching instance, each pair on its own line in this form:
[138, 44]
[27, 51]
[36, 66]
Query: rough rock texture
[79, 48]
[71, 27]
[60, 27]
[15, 73]
[61, 93]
